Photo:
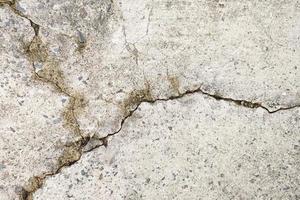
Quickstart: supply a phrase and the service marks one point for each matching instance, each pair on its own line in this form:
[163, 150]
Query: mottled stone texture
[192, 148]
[149, 99]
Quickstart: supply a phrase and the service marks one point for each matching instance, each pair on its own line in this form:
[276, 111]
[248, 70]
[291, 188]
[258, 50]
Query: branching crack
[148, 99]
[74, 151]
[37, 53]
[243, 103]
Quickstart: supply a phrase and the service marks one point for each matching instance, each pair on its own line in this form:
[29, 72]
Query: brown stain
[72, 110]
[51, 74]
[36, 50]
[174, 81]
[136, 97]
[33, 184]
[37, 53]
[8, 2]
[70, 155]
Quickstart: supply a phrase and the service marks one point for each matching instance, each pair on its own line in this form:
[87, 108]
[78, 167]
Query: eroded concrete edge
[53, 76]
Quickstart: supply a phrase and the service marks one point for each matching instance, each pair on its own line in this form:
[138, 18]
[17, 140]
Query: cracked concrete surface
[151, 99]
[190, 148]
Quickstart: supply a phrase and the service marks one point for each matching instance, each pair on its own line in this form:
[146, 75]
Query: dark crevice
[38, 181]
[75, 149]
[13, 5]
[84, 141]
[243, 103]
[35, 27]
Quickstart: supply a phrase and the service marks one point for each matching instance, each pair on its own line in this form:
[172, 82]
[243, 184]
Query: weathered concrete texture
[109, 50]
[192, 148]
[32, 133]
[74, 72]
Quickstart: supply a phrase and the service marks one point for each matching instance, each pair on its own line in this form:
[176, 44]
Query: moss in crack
[53, 74]
[33, 184]
[74, 108]
[36, 50]
[249, 104]
[135, 97]
[70, 155]
[244, 103]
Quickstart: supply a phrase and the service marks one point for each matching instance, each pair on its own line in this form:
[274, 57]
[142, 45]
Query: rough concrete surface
[149, 99]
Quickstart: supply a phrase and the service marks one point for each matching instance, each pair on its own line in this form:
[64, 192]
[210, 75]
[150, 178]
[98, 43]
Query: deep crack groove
[72, 152]
[243, 103]
[37, 182]
[84, 142]
[12, 5]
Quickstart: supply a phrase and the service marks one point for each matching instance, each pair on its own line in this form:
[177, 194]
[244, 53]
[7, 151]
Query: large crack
[74, 151]
[243, 103]
[13, 6]
[146, 99]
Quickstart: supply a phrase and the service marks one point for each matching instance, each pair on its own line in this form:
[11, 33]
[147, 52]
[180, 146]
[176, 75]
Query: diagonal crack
[12, 4]
[239, 102]
[145, 99]
[74, 151]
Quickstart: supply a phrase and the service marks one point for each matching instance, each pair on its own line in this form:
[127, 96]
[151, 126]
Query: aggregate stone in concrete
[192, 148]
[79, 77]
[109, 50]
[32, 133]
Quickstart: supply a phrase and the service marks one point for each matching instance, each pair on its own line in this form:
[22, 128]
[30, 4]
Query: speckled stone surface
[149, 99]
[192, 148]
[32, 136]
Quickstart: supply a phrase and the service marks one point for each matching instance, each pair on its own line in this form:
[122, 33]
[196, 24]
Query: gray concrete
[149, 99]
[192, 148]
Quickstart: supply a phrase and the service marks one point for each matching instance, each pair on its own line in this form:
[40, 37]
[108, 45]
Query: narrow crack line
[243, 103]
[77, 145]
[84, 142]
[38, 181]
[13, 6]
